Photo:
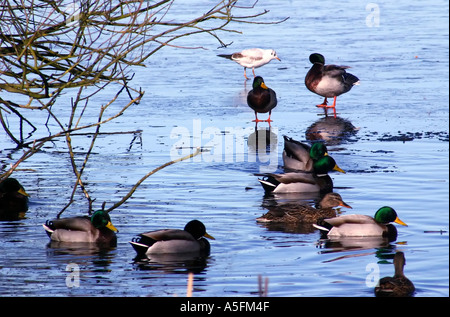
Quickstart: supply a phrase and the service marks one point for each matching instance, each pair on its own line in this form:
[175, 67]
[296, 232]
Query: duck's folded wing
[168, 234]
[296, 149]
[288, 178]
[73, 223]
[344, 219]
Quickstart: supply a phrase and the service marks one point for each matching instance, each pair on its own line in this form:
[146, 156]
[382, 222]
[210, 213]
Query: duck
[94, 229]
[174, 241]
[302, 182]
[261, 99]
[13, 199]
[252, 58]
[356, 225]
[398, 285]
[294, 213]
[300, 156]
[328, 81]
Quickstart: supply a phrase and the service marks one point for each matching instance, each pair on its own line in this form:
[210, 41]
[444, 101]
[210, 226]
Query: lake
[398, 157]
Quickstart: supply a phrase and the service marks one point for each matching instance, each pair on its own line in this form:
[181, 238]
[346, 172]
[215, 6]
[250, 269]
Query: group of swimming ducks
[306, 169]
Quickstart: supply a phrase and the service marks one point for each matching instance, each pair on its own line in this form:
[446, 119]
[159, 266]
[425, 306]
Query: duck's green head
[100, 219]
[326, 164]
[318, 150]
[259, 82]
[197, 229]
[317, 58]
[12, 185]
[386, 215]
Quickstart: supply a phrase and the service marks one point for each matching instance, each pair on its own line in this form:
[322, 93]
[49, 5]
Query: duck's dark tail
[269, 183]
[351, 79]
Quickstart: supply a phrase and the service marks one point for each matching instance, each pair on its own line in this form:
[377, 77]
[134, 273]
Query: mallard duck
[328, 80]
[261, 98]
[302, 182]
[362, 225]
[252, 58]
[95, 229]
[190, 240]
[294, 213]
[13, 199]
[398, 285]
[302, 157]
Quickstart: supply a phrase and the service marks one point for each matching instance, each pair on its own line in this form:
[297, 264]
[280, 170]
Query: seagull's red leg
[253, 70]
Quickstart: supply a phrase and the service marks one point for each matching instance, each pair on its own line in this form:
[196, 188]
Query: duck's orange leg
[325, 106]
[256, 118]
[259, 120]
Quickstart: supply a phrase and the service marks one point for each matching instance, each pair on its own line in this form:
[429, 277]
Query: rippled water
[398, 157]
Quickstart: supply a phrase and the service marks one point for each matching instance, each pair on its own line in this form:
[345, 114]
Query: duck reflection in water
[263, 148]
[172, 263]
[331, 130]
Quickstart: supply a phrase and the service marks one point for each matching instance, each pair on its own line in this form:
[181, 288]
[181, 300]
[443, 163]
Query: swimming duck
[398, 285]
[328, 80]
[95, 229]
[13, 199]
[252, 58]
[191, 239]
[261, 98]
[294, 213]
[300, 156]
[362, 225]
[302, 182]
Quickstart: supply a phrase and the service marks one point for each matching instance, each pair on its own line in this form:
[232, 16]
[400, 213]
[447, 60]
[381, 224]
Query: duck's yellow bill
[207, 235]
[397, 220]
[263, 85]
[110, 226]
[23, 192]
[337, 168]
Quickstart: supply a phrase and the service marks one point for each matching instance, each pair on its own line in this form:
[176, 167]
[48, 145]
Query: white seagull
[252, 58]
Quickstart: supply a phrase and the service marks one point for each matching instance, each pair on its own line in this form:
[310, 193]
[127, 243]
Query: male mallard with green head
[300, 156]
[94, 229]
[303, 182]
[328, 81]
[261, 99]
[361, 225]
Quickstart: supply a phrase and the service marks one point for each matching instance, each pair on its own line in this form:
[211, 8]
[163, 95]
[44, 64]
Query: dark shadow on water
[172, 263]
